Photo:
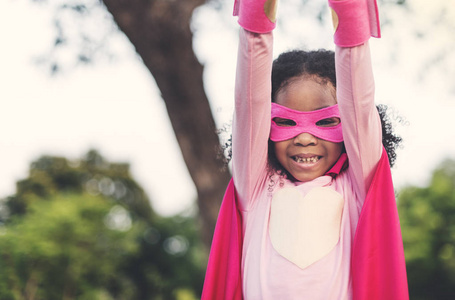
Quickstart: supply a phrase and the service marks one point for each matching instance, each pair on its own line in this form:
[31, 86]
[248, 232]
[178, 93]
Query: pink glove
[256, 15]
[354, 21]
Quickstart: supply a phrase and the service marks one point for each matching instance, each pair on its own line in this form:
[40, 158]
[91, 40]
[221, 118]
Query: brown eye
[329, 122]
[284, 122]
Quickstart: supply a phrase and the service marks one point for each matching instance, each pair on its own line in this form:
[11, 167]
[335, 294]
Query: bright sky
[115, 107]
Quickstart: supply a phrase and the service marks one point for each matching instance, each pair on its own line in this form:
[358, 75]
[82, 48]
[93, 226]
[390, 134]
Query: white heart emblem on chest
[305, 229]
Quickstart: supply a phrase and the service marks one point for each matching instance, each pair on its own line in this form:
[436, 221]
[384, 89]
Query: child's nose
[305, 139]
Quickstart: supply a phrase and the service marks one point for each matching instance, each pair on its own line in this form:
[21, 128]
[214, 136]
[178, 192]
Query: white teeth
[306, 160]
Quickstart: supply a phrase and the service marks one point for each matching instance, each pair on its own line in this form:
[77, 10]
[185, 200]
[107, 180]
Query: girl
[310, 213]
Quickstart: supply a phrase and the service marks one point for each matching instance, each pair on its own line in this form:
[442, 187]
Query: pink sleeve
[251, 124]
[361, 123]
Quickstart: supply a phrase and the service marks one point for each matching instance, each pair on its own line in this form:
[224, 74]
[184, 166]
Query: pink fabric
[339, 166]
[306, 121]
[267, 275]
[222, 279]
[252, 16]
[251, 130]
[362, 132]
[378, 265]
[223, 275]
[358, 20]
[251, 123]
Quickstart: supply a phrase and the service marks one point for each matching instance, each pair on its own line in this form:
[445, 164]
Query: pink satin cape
[377, 259]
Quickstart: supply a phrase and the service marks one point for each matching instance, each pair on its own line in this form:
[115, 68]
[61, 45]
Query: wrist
[354, 21]
[256, 15]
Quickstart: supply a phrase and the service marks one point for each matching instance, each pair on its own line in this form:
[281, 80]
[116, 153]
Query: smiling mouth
[306, 160]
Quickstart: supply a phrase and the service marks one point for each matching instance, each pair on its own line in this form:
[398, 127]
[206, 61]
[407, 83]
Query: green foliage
[167, 279]
[428, 226]
[63, 249]
[85, 230]
[92, 174]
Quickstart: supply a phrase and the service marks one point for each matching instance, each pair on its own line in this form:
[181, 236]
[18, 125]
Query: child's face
[306, 156]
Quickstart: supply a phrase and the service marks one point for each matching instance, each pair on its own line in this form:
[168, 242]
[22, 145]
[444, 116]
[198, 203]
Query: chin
[304, 177]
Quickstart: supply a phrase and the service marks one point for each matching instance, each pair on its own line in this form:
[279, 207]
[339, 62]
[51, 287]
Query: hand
[256, 15]
[354, 21]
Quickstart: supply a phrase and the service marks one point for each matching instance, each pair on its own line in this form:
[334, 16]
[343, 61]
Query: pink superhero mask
[294, 122]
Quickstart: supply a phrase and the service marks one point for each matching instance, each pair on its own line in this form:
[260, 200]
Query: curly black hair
[320, 65]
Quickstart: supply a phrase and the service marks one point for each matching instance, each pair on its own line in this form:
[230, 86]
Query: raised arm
[361, 124]
[251, 124]
[355, 21]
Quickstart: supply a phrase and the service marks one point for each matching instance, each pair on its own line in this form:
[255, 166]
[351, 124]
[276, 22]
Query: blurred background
[111, 117]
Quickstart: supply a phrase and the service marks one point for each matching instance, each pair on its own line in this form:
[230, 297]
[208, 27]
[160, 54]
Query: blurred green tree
[66, 247]
[84, 229]
[92, 174]
[428, 226]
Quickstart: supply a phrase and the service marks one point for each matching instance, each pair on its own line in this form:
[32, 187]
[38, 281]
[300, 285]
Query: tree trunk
[160, 31]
